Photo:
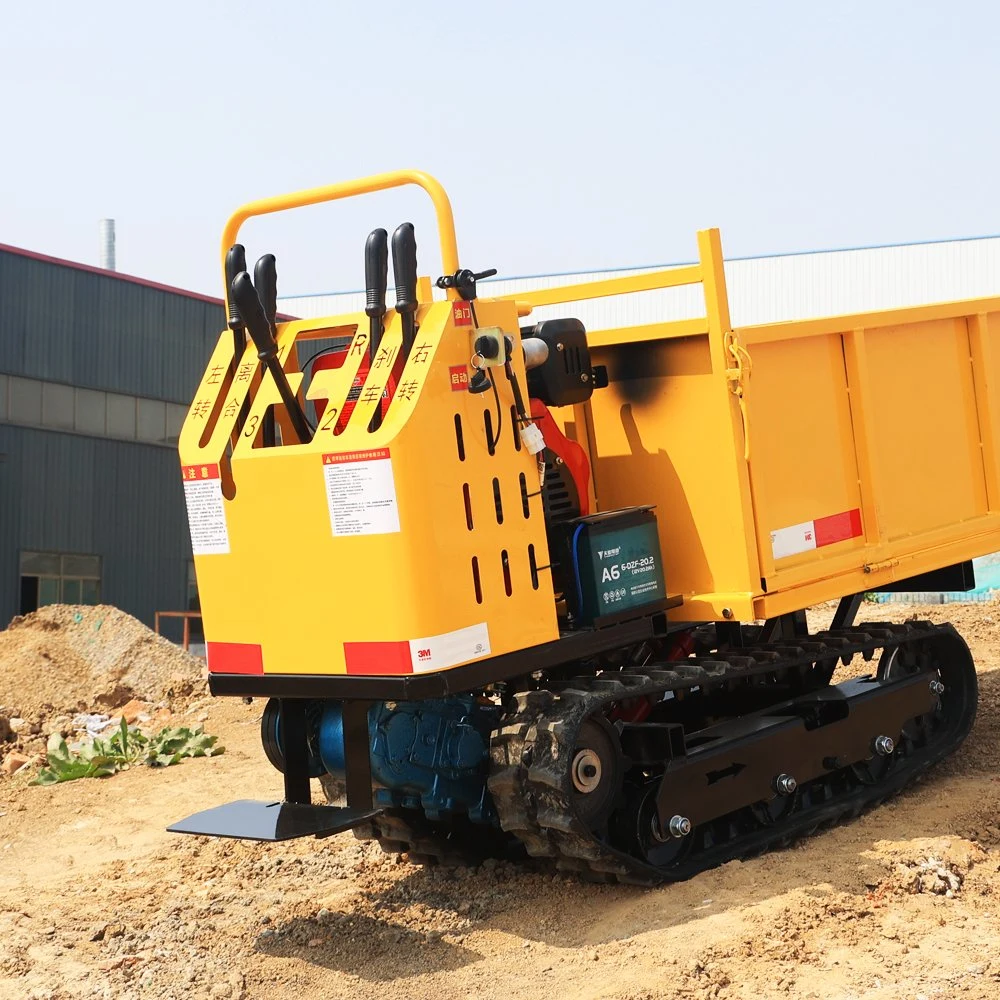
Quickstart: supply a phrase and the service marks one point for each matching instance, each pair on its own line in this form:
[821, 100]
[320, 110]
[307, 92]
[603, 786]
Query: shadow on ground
[373, 949]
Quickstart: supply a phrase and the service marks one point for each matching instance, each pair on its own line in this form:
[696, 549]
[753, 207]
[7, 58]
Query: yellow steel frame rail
[348, 189]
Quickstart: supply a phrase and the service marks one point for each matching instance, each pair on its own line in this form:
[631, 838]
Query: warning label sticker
[361, 492]
[461, 313]
[206, 510]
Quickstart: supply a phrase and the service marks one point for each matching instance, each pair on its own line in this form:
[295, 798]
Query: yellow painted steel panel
[928, 447]
[300, 591]
[649, 448]
[803, 463]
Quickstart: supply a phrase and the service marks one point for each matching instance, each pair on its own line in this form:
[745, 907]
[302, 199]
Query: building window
[36, 403]
[59, 578]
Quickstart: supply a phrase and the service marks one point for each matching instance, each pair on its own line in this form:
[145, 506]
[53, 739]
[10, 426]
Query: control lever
[253, 315]
[376, 279]
[404, 270]
[236, 261]
[265, 280]
[465, 281]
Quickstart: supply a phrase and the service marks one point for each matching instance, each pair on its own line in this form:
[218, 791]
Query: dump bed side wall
[873, 443]
[663, 434]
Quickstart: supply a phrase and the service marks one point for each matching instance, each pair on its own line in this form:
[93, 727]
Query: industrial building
[96, 370]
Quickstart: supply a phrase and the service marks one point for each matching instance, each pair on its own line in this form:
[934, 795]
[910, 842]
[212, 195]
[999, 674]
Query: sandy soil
[96, 900]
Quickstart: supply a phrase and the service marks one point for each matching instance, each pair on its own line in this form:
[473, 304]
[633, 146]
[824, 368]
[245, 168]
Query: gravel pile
[65, 659]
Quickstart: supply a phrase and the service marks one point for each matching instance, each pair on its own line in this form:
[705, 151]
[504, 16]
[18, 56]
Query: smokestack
[106, 228]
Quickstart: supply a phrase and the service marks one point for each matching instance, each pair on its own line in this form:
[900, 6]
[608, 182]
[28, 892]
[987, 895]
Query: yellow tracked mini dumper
[521, 586]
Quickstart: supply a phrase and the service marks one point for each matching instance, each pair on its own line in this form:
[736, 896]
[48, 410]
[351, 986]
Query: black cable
[496, 396]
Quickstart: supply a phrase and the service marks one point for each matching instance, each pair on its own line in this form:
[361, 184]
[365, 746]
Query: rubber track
[442, 842]
[532, 790]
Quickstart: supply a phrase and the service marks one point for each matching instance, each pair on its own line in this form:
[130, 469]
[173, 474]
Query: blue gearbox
[432, 755]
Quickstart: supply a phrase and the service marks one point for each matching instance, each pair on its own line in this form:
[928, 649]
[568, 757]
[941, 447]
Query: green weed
[124, 749]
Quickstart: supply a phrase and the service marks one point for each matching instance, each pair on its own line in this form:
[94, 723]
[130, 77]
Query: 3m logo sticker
[461, 313]
[439, 651]
[458, 375]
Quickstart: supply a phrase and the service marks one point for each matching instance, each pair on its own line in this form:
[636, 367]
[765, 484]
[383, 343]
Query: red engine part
[638, 709]
[335, 358]
[574, 456]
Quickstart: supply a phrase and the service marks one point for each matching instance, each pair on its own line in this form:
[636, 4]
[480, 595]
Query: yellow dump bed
[793, 463]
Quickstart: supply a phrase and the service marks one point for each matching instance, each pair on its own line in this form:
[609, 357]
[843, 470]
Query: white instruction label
[439, 651]
[206, 510]
[361, 492]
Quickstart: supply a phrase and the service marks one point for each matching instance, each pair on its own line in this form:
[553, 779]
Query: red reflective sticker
[378, 658]
[234, 658]
[837, 527]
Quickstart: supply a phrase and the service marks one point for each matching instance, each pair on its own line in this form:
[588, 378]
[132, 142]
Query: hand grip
[265, 280]
[404, 267]
[236, 261]
[252, 313]
[376, 272]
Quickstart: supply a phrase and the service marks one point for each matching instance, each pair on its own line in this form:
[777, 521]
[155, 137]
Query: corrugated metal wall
[764, 289]
[71, 493]
[78, 493]
[100, 331]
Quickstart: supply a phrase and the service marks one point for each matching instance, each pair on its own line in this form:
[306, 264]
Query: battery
[617, 566]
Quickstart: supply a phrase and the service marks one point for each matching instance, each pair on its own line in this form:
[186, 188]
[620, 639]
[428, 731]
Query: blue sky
[569, 135]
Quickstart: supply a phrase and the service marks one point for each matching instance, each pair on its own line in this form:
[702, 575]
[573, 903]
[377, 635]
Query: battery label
[629, 581]
[622, 571]
[361, 492]
[206, 510]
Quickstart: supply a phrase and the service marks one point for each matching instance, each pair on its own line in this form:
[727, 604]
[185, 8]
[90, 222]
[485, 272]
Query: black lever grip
[236, 261]
[404, 267]
[265, 280]
[376, 272]
[252, 312]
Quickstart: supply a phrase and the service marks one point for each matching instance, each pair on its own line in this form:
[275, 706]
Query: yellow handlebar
[347, 189]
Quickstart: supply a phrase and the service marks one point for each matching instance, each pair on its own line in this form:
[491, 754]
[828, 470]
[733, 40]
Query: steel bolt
[785, 784]
[937, 687]
[884, 745]
[679, 826]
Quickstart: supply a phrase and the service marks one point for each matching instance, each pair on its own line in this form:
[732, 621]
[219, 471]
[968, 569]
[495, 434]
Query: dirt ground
[96, 900]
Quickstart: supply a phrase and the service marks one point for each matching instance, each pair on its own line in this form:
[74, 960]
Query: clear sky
[570, 135]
